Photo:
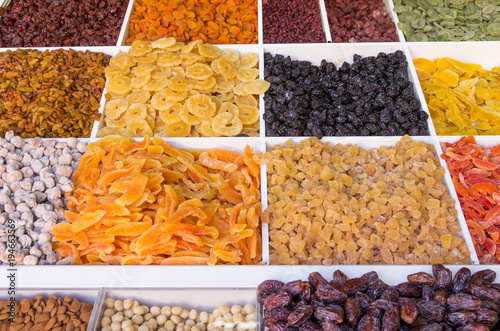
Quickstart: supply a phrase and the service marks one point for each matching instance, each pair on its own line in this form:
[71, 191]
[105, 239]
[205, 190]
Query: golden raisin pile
[346, 205]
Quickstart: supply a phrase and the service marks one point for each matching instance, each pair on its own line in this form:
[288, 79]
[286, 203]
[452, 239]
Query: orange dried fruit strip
[477, 185]
[175, 207]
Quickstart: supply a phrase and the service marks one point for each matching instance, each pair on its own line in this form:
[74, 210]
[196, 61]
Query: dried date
[354, 285]
[330, 326]
[390, 294]
[316, 279]
[299, 315]
[310, 326]
[409, 312]
[421, 278]
[352, 311]
[464, 301]
[370, 277]
[431, 327]
[461, 317]
[279, 299]
[364, 300]
[332, 313]
[486, 316]
[485, 292]
[483, 277]
[461, 279]
[269, 286]
[376, 289]
[328, 293]
[294, 288]
[441, 296]
[474, 326]
[339, 278]
[427, 293]
[371, 321]
[306, 294]
[277, 315]
[431, 310]
[409, 290]
[390, 320]
[443, 276]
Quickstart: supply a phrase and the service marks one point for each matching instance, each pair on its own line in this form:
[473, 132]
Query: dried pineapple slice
[119, 85]
[109, 131]
[155, 85]
[122, 60]
[173, 95]
[141, 81]
[225, 96]
[179, 129]
[217, 101]
[171, 115]
[114, 108]
[201, 106]
[229, 107]
[258, 86]
[224, 84]
[189, 47]
[199, 71]
[247, 75]
[246, 100]
[178, 72]
[179, 84]
[159, 102]
[206, 129]
[161, 73]
[163, 43]
[209, 51]
[168, 60]
[191, 58]
[230, 55]
[249, 60]
[136, 111]
[146, 59]
[224, 67]
[150, 111]
[249, 114]
[112, 71]
[203, 85]
[138, 96]
[115, 123]
[143, 69]
[188, 118]
[176, 47]
[227, 125]
[140, 48]
[139, 128]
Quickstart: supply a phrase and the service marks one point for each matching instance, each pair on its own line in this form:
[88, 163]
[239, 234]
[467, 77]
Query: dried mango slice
[87, 220]
[446, 77]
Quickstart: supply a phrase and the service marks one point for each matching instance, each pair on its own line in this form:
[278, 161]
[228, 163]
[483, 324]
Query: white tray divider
[124, 31]
[324, 21]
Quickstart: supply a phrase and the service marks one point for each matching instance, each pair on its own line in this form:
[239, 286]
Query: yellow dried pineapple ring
[159, 102]
[168, 60]
[146, 59]
[151, 122]
[112, 71]
[188, 118]
[159, 125]
[247, 75]
[139, 128]
[201, 105]
[217, 101]
[171, 115]
[189, 47]
[227, 125]
[143, 69]
[224, 68]
[114, 108]
[173, 95]
[179, 84]
[150, 111]
[179, 129]
[245, 100]
[136, 111]
[249, 114]
[230, 55]
[209, 51]
[249, 60]
[141, 81]
[163, 43]
[194, 132]
[229, 107]
[258, 86]
[140, 47]
[224, 84]
[109, 131]
[203, 85]
[138, 96]
[122, 60]
[161, 73]
[176, 47]
[155, 85]
[191, 58]
[178, 72]
[119, 123]
[206, 129]
[119, 85]
[199, 71]
[225, 96]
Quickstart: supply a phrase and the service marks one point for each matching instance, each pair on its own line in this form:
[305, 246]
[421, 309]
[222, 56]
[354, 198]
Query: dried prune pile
[370, 97]
[434, 301]
[38, 23]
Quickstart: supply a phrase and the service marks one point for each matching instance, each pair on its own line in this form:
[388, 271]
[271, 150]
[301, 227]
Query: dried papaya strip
[148, 238]
[128, 229]
[87, 220]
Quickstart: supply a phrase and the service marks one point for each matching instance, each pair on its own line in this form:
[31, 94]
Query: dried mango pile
[176, 90]
[476, 176]
[150, 203]
[463, 98]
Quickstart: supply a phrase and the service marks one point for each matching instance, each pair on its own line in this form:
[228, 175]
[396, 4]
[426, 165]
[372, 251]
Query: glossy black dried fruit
[279, 299]
[409, 290]
[443, 276]
[390, 320]
[431, 310]
[294, 287]
[422, 278]
[464, 301]
[269, 286]
[363, 300]
[483, 277]
[352, 311]
[279, 314]
[333, 313]
[299, 315]
[474, 326]
[461, 317]
[461, 279]
[486, 316]
[316, 279]
[310, 326]
[354, 285]
[485, 292]
[328, 293]
[330, 326]
[441, 296]
[409, 312]
[338, 278]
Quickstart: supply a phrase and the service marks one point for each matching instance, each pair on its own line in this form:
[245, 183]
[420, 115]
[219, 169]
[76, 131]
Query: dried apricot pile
[178, 90]
[476, 176]
[211, 21]
[150, 203]
[343, 204]
[463, 98]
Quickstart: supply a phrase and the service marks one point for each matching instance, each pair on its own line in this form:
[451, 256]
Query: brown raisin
[421, 278]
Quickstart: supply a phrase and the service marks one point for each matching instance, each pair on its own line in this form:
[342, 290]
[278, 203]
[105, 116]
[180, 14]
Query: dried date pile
[434, 301]
[36, 23]
[51, 94]
[372, 96]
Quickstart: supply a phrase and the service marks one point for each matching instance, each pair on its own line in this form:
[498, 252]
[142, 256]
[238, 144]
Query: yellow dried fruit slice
[159, 102]
[227, 125]
[251, 130]
[194, 132]
[247, 74]
[199, 71]
[119, 85]
[217, 101]
[171, 115]
[176, 47]
[115, 123]
[112, 71]
[173, 95]
[226, 96]
[155, 85]
[178, 72]
[141, 81]
[168, 59]
[223, 84]
[161, 73]
[188, 118]
[209, 51]
[109, 131]
[249, 114]
[224, 68]
[249, 60]
[150, 111]
[122, 60]
[143, 69]
[138, 96]
[192, 45]
[229, 107]
[230, 55]
[203, 85]
[179, 129]
[139, 128]
[136, 111]
[163, 43]
[146, 59]
[201, 106]
[246, 100]
[114, 108]
[140, 47]
[191, 58]
[206, 129]
[151, 122]
[258, 86]
[179, 84]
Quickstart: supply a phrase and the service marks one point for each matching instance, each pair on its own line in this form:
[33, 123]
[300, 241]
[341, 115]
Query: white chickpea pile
[129, 315]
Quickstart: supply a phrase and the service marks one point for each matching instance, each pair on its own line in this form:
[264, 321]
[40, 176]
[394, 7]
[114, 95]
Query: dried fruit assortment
[213, 22]
[475, 174]
[130, 315]
[292, 21]
[359, 20]
[371, 96]
[51, 94]
[32, 23]
[150, 203]
[341, 204]
[46, 313]
[463, 98]
[179, 90]
[438, 20]
[436, 301]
